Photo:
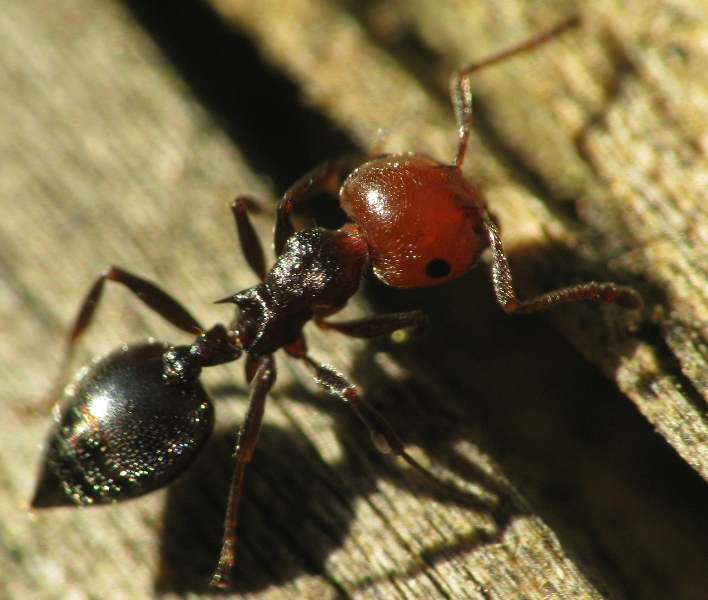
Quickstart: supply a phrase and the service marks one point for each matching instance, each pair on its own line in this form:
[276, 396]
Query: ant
[134, 420]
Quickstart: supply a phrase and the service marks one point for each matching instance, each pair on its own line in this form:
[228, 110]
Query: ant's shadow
[510, 385]
[281, 532]
[296, 509]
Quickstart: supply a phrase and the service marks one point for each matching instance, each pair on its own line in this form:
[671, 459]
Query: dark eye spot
[437, 268]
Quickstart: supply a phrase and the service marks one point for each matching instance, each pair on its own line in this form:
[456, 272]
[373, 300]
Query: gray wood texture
[126, 131]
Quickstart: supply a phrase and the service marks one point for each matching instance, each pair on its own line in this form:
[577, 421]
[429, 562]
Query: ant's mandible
[135, 419]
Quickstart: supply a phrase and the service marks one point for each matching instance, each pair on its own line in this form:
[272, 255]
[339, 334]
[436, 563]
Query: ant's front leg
[621, 295]
[323, 179]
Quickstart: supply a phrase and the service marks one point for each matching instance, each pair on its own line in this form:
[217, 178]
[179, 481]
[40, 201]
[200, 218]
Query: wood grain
[127, 129]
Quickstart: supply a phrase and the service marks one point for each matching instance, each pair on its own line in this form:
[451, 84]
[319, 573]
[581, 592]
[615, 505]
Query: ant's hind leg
[621, 295]
[155, 298]
[247, 437]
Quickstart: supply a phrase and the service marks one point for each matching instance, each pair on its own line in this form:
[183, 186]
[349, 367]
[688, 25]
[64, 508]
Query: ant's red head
[422, 221]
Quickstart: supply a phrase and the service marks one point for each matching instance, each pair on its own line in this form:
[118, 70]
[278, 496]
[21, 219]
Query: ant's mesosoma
[135, 419]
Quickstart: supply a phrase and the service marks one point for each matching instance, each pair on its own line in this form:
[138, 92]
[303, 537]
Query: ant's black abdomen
[123, 430]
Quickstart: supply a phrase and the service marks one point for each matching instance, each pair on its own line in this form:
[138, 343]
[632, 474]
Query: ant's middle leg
[384, 437]
[250, 244]
[375, 325]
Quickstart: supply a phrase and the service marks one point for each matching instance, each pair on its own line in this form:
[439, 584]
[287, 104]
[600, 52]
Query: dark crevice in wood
[257, 105]
[559, 429]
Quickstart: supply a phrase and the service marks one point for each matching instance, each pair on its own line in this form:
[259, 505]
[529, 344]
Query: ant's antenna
[460, 84]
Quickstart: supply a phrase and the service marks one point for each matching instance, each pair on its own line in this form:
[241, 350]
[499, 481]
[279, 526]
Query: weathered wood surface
[125, 135]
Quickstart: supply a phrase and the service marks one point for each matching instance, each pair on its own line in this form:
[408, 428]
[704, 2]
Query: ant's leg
[461, 91]
[154, 297]
[245, 444]
[621, 295]
[382, 434]
[323, 179]
[250, 244]
[376, 325]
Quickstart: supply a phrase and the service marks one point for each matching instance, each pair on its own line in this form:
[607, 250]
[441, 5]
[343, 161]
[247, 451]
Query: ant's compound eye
[437, 268]
[422, 221]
